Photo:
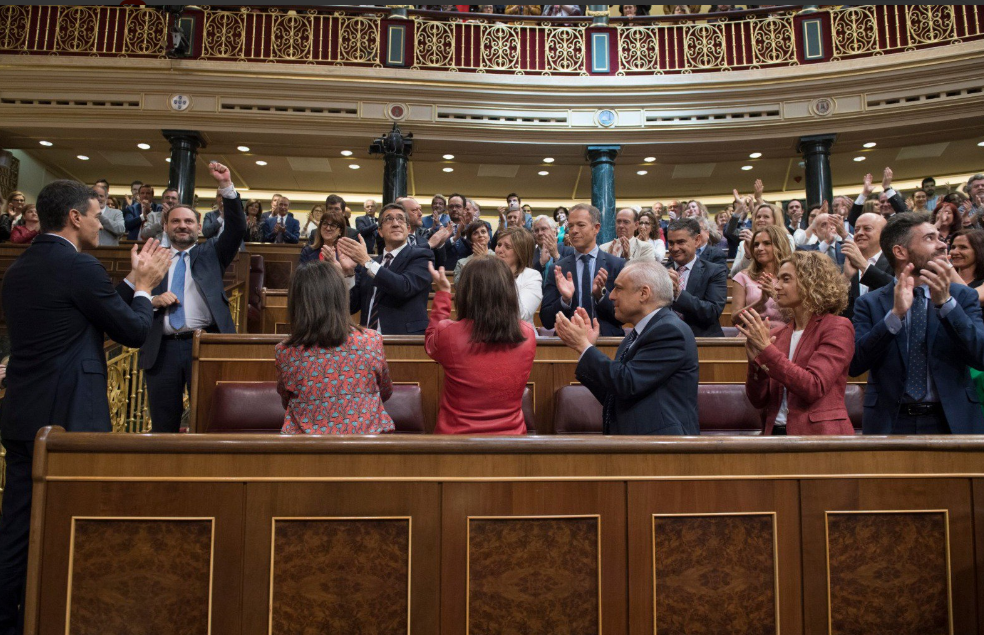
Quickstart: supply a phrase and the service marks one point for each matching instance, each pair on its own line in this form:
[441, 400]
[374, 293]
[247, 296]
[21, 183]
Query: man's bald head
[867, 233]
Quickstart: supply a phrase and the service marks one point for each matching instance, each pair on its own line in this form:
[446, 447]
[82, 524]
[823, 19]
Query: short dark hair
[522, 244]
[135, 183]
[60, 197]
[167, 214]
[512, 194]
[390, 206]
[473, 227]
[919, 190]
[318, 307]
[104, 182]
[592, 211]
[813, 207]
[688, 225]
[898, 231]
[171, 189]
[928, 179]
[333, 199]
[976, 239]
[461, 196]
[486, 294]
[143, 185]
[334, 218]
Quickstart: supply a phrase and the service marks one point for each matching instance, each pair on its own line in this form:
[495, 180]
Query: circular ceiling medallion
[606, 118]
[823, 107]
[397, 112]
[180, 102]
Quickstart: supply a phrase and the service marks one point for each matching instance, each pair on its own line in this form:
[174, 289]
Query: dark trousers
[934, 423]
[166, 384]
[14, 532]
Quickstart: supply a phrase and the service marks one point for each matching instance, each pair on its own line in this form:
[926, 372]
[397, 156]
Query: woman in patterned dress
[331, 374]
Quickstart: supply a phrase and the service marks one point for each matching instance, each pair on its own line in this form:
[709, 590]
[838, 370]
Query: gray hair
[474, 203]
[649, 273]
[714, 236]
[591, 209]
[976, 177]
[551, 223]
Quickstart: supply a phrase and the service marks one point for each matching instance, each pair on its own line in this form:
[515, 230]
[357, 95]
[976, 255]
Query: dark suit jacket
[132, 218]
[875, 277]
[60, 305]
[702, 302]
[604, 309]
[562, 250]
[365, 222]
[837, 256]
[403, 289]
[292, 229]
[897, 203]
[715, 255]
[655, 386]
[955, 342]
[210, 224]
[208, 260]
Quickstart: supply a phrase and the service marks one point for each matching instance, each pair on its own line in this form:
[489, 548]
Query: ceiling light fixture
[649, 159]
[261, 163]
[746, 167]
[82, 157]
[449, 169]
[980, 144]
[543, 173]
[143, 146]
[354, 166]
[870, 144]
[755, 155]
[860, 159]
[448, 157]
[548, 159]
[243, 148]
[46, 144]
[642, 172]
[346, 153]
[168, 159]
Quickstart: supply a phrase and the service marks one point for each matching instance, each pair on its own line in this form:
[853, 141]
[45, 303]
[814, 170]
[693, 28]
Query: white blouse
[529, 286]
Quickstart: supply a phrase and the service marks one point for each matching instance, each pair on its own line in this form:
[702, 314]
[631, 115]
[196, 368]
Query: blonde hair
[821, 285]
[778, 218]
[780, 249]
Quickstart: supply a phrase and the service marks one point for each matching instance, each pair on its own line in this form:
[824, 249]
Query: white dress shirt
[197, 315]
[529, 286]
[685, 272]
[579, 271]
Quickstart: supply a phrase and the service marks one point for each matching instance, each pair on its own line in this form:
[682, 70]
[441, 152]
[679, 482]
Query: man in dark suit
[60, 305]
[865, 266]
[825, 229]
[137, 212]
[191, 297]
[889, 201]
[334, 202]
[700, 288]
[547, 252]
[584, 279]
[369, 218]
[390, 290]
[651, 387]
[916, 339]
[281, 226]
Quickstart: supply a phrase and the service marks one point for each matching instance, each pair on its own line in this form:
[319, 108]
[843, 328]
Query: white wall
[33, 175]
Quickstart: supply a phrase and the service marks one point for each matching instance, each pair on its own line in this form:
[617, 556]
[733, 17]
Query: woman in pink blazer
[798, 372]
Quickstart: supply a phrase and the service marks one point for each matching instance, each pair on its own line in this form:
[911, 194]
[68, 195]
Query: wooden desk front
[254, 535]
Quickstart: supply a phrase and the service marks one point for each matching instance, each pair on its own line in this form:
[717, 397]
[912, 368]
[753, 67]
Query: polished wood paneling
[533, 558]
[279, 261]
[889, 584]
[167, 586]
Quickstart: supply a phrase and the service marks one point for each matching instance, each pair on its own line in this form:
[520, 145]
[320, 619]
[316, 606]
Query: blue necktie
[915, 381]
[178, 289]
[584, 293]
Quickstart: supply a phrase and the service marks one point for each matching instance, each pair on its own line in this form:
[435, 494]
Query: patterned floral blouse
[335, 391]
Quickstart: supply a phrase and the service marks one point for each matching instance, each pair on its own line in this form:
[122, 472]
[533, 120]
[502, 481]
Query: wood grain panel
[978, 488]
[874, 565]
[724, 555]
[603, 503]
[140, 576]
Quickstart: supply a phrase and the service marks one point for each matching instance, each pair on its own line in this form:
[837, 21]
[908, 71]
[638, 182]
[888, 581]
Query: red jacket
[814, 380]
[483, 385]
[21, 234]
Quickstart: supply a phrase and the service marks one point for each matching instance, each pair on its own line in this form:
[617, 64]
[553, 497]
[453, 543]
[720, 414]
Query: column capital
[605, 154]
[816, 143]
[192, 137]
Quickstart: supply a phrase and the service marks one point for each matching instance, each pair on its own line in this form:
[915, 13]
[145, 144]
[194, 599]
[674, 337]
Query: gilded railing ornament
[855, 31]
[358, 39]
[772, 40]
[500, 47]
[565, 49]
[77, 29]
[434, 44]
[224, 34]
[704, 46]
[14, 22]
[292, 37]
[146, 32]
[639, 50]
[929, 24]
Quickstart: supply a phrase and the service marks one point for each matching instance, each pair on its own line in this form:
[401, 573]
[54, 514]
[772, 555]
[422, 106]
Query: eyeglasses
[398, 220]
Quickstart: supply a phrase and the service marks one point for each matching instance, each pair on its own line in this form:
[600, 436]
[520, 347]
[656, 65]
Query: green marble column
[602, 160]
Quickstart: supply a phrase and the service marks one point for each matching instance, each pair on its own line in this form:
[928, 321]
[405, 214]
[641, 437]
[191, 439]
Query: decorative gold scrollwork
[772, 40]
[855, 31]
[638, 49]
[704, 46]
[500, 47]
[565, 49]
[358, 40]
[929, 23]
[434, 44]
[77, 29]
[224, 32]
[14, 22]
[146, 32]
[291, 37]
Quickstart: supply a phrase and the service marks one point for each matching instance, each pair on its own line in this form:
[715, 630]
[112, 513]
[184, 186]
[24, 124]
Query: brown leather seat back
[255, 407]
[854, 400]
[723, 409]
[576, 411]
[254, 306]
[528, 415]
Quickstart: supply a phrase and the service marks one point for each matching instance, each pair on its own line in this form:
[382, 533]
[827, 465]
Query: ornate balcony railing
[494, 44]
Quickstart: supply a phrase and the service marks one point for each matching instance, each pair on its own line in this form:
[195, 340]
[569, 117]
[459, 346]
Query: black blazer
[403, 289]
[714, 255]
[897, 203]
[655, 386]
[60, 305]
[875, 277]
[208, 260]
[604, 309]
[702, 302]
[562, 250]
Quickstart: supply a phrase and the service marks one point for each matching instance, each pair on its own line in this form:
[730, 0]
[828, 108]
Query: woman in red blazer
[798, 372]
[487, 354]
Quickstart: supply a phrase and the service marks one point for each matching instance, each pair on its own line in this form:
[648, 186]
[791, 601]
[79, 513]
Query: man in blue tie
[191, 297]
[651, 387]
[583, 279]
[917, 337]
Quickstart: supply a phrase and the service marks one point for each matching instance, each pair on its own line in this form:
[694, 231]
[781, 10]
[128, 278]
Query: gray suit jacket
[112, 227]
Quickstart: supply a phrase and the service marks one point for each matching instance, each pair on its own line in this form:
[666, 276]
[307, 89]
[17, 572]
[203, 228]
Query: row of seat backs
[255, 407]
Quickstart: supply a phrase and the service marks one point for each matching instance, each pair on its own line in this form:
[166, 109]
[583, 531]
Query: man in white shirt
[111, 219]
[626, 245]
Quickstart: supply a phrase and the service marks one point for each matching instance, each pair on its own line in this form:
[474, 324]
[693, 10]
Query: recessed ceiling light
[755, 155]
[649, 159]
[448, 157]
[449, 169]
[261, 163]
[981, 144]
[548, 159]
[354, 166]
[83, 157]
[243, 148]
[46, 144]
[860, 159]
[346, 153]
[168, 159]
[642, 172]
[143, 146]
[543, 173]
[870, 144]
[746, 167]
